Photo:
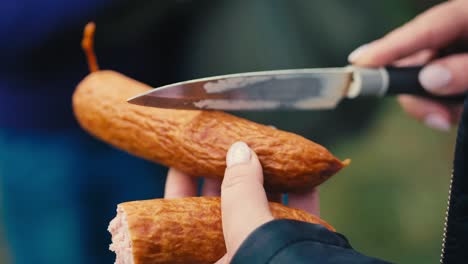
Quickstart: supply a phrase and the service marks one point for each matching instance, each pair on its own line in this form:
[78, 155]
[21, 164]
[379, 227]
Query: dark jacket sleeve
[289, 241]
[456, 236]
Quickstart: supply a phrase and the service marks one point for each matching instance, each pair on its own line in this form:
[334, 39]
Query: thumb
[244, 204]
[447, 75]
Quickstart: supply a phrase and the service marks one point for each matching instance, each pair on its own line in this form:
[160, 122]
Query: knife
[297, 89]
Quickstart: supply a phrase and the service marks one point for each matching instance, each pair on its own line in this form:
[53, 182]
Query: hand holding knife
[298, 89]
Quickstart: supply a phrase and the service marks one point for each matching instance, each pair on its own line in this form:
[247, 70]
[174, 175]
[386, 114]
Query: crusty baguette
[183, 230]
[195, 142]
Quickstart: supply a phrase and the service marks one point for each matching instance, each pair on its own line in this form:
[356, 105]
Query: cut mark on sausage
[121, 242]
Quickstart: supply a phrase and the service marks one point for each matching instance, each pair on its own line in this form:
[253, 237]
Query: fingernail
[238, 153]
[353, 56]
[434, 77]
[438, 122]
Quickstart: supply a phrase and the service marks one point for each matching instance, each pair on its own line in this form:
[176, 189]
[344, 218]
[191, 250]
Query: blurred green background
[390, 202]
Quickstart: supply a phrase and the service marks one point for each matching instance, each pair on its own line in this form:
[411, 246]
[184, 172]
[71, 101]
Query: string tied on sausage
[87, 44]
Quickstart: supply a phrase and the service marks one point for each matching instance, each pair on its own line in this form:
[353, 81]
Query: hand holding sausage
[244, 203]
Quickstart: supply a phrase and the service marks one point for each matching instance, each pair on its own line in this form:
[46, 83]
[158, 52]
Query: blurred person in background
[59, 186]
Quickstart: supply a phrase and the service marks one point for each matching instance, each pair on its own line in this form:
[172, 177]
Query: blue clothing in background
[59, 192]
[59, 187]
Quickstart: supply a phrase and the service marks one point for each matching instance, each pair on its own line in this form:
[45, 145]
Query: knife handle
[389, 81]
[406, 81]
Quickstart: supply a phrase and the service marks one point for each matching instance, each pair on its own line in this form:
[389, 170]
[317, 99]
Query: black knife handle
[405, 80]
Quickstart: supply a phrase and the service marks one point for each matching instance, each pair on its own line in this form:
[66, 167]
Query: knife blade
[298, 89]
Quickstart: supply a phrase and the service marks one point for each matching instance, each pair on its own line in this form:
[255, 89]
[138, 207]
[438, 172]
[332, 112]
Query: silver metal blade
[268, 90]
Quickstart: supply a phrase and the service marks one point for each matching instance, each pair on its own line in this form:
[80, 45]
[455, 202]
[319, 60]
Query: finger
[179, 184]
[433, 114]
[211, 187]
[419, 58]
[223, 260]
[434, 29]
[447, 75]
[308, 201]
[244, 202]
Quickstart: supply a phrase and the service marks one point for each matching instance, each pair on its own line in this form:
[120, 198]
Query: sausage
[194, 142]
[182, 230]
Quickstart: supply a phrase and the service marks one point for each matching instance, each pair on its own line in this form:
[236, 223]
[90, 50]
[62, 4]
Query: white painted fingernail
[353, 56]
[438, 122]
[435, 77]
[238, 153]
